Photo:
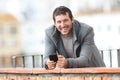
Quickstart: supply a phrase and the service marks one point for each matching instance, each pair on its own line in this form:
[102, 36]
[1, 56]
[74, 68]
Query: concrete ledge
[69, 70]
[91, 70]
[100, 73]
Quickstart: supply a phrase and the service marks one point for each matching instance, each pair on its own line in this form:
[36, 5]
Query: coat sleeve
[49, 47]
[86, 54]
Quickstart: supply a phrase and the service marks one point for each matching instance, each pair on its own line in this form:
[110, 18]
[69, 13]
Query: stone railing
[60, 74]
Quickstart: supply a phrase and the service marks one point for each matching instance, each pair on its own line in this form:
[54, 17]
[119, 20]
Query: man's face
[64, 24]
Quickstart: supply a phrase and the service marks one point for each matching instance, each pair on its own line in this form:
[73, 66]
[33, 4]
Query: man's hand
[62, 62]
[51, 64]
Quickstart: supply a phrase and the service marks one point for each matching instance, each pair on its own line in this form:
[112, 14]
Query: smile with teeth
[64, 29]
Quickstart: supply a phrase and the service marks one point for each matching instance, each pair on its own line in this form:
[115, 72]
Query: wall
[60, 74]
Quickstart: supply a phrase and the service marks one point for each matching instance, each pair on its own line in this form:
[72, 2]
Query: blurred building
[10, 39]
[36, 15]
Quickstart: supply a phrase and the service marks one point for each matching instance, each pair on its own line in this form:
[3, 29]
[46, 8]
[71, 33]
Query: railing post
[118, 56]
[14, 61]
[33, 60]
[102, 54]
[42, 60]
[23, 58]
[110, 58]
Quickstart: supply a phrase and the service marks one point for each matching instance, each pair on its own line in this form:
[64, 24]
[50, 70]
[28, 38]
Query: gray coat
[85, 50]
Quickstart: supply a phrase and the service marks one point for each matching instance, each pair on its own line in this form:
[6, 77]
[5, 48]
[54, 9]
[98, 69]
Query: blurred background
[22, 24]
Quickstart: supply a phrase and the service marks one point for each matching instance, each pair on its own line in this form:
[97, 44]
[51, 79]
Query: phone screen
[53, 58]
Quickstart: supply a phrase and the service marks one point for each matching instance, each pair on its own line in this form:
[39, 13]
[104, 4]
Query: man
[72, 41]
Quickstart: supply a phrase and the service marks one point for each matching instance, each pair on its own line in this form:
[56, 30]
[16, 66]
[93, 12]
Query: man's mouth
[65, 29]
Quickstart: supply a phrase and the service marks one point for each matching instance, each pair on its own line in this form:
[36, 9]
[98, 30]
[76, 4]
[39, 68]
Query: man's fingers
[51, 64]
[60, 56]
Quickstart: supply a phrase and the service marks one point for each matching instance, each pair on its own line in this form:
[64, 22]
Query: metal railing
[32, 61]
[111, 58]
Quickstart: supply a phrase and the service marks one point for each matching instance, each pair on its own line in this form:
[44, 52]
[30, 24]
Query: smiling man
[72, 42]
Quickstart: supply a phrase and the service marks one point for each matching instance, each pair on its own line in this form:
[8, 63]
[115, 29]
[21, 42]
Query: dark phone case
[53, 58]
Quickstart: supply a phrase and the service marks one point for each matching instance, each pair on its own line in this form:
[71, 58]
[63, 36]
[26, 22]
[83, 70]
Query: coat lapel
[59, 44]
[76, 38]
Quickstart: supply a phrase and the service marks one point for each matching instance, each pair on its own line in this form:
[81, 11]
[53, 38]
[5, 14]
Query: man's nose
[62, 24]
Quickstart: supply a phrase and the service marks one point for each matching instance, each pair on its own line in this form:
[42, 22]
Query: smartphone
[53, 58]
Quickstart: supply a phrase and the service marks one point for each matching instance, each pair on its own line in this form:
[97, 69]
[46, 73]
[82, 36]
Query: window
[11, 43]
[119, 29]
[1, 43]
[108, 27]
[13, 30]
[1, 29]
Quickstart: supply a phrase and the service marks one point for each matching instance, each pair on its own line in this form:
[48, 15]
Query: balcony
[23, 70]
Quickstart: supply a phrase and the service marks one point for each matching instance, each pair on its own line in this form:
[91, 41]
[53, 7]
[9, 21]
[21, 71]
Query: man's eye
[59, 22]
[65, 20]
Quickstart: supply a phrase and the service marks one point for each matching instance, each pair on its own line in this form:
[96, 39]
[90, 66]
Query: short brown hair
[62, 10]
